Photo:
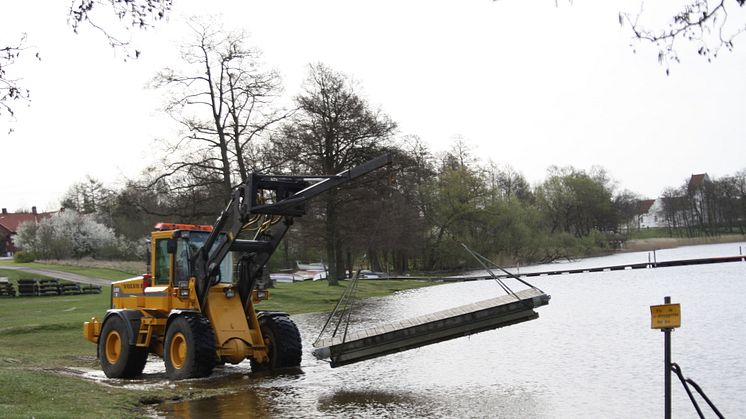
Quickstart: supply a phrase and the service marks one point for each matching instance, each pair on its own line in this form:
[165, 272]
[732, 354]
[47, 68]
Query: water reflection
[590, 354]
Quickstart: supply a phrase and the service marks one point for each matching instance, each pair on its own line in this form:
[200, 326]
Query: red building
[9, 223]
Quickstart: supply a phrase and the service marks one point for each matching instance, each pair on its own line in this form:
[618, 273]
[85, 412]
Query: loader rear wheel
[283, 342]
[189, 350]
[117, 357]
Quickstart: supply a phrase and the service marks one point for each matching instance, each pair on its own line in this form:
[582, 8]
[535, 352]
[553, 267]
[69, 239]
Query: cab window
[181, 261]
[162, 262]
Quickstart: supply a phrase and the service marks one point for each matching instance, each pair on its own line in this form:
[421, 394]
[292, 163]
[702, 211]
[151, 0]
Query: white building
[651, 214]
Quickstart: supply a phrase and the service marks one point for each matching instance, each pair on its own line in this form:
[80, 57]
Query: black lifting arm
[288, 195]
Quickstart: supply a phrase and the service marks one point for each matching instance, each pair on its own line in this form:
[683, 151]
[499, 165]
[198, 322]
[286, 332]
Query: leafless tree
[102, 15]
[710, 25]
[222, 99]
[11, 91]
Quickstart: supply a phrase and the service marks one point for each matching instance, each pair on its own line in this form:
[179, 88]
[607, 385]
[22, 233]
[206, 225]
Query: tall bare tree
[222, 99]
[333, 129]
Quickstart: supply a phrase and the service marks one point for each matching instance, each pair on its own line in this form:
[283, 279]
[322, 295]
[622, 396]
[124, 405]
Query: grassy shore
[656, 243]
[42, 347]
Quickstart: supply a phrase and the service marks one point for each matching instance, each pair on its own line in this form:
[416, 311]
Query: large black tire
[117, 357]
[189, 350]
[283, 342]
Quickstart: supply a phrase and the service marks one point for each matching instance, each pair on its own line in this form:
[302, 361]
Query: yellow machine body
[156, 297]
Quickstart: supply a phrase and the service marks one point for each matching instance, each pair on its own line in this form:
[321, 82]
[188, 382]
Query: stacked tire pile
[41, 287]
[48, 287]
[6, 288]
[69, 288]
[28, 287]
[90, 289]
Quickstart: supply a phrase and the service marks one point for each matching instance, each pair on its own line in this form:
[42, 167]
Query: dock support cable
[481, 260]
[685, 382]
[342, 311]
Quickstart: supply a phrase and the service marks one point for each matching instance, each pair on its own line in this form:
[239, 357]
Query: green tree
[89, 196]
[576, 202]
[333, 129]
[452, 203]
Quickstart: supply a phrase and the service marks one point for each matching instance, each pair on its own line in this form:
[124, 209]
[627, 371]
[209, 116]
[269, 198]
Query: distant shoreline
[642, 245]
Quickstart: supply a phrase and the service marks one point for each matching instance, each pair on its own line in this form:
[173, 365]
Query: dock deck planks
[431, 328]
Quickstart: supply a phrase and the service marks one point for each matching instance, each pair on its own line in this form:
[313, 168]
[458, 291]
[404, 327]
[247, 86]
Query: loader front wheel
[282, 338]
[117, 357]
[189, 350]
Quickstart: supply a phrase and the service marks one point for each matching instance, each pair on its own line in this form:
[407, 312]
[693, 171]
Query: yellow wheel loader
[195, 306]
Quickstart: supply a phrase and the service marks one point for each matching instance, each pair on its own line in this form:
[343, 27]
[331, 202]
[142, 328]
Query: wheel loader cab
[168, 286]
[172, 252]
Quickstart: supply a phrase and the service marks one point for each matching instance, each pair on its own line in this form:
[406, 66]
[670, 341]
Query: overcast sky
[524, 82]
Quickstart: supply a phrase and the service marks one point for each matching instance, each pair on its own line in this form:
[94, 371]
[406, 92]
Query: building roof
[645, 205]
[11, 221]
[698, 180]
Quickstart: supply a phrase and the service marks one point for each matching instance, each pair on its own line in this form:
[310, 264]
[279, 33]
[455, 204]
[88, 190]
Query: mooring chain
[685, 382]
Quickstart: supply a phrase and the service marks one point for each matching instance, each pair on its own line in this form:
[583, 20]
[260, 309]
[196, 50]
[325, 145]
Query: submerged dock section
[431, 328]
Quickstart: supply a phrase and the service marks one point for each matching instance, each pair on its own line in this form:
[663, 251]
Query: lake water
[591, 354]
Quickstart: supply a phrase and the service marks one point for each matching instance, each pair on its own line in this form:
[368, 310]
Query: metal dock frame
[431, 328]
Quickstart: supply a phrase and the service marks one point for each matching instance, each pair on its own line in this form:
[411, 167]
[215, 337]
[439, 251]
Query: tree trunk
[340, 263]
[331, 239]
[349, 264]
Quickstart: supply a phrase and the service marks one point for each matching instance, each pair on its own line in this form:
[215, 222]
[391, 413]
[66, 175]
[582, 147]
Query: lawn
[41, 336]
[103, 273]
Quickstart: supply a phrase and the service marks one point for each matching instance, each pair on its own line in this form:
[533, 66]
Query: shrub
[24, 257]
[71, 235]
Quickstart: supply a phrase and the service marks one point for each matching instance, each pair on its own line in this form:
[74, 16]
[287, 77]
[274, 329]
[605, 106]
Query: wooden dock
[431, 328]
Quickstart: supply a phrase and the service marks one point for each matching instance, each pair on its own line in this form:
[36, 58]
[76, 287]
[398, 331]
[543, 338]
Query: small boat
[316, 266]
[286, 277]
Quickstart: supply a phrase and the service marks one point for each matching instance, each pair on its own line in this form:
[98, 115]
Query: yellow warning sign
[666, 316]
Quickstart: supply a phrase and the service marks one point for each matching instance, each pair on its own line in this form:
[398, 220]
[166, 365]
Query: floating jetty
[432, 328]
[621, 267]
[643, 265]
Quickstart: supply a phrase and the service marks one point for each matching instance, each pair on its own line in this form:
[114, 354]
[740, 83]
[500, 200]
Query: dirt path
[81, 279]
